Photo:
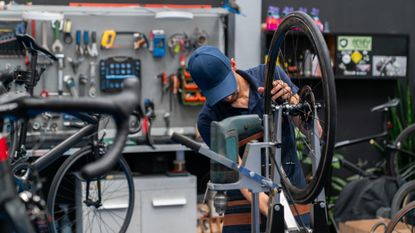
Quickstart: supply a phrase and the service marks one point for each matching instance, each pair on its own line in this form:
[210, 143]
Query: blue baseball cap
[211, 70]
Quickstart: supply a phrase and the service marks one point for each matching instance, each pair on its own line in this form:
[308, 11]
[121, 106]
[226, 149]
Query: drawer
[170, 210]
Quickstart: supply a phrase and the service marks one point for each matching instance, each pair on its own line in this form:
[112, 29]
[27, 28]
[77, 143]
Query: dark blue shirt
[222, 110]
[256, 77]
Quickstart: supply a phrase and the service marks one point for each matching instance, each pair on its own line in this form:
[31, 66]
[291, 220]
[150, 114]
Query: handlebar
[120, 106]
[192, 144]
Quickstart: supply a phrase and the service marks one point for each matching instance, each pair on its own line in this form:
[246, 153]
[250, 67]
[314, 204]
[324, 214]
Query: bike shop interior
[111, 124]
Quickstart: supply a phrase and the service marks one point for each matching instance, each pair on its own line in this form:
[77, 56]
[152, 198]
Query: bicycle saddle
[30, 44]
[389, 104]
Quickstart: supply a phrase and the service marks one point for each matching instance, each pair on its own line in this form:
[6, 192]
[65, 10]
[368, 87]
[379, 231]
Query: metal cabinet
[162, 204]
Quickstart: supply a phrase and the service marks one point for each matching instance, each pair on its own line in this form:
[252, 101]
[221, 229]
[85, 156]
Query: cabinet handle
[112, 206]
[169, 202]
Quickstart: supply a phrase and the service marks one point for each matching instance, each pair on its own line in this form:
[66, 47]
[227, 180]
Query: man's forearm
[263, 200]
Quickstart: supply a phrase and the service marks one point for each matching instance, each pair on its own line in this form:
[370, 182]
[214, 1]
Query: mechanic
[230, 92]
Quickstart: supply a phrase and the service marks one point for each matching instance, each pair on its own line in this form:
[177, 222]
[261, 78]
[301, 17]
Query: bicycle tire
[398, 217]
[400, 195]
[291, 23]
[60, 194]
[404, 141]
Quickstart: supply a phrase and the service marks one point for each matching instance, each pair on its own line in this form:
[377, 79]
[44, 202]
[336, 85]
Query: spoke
[105, 223]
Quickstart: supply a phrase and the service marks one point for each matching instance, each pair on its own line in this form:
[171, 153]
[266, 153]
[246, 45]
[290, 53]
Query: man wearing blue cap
[230, 92]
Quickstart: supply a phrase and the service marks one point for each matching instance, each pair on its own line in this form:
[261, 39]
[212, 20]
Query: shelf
[347, 77]
[357, 77]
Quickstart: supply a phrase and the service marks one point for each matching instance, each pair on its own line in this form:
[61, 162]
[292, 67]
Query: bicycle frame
[385, 109]
[57, 151]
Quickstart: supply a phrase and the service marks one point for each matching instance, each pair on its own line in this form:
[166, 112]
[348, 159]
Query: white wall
[248, 34]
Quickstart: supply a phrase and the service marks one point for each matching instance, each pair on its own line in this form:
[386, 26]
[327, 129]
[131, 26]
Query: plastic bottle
[303, 9]
[287, 10]
[273, 18]
[315, 14]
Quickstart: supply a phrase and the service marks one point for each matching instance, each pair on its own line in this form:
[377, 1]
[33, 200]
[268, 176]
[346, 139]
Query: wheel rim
[94, 216]
[403, 221]
[299, 29]
[403, 155]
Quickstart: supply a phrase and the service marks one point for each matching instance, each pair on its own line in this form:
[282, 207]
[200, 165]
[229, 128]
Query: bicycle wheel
[402, 156]
[403, 196]
[104, 204]
[296, 38]
[403, 221]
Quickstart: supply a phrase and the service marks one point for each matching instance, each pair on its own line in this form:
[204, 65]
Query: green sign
[361, 43]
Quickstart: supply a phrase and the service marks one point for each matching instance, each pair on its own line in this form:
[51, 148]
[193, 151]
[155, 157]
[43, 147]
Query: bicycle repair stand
[280, 217]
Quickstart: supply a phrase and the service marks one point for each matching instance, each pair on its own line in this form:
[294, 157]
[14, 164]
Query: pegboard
[127, 19]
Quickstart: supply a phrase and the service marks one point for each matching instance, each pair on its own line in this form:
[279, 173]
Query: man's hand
[281, 90]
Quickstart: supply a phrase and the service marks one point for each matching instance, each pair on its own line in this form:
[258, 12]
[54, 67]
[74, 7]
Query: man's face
[234, 96]
[231, 98]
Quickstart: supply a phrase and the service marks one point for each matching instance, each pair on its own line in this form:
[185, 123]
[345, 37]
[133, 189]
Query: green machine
[224, 139]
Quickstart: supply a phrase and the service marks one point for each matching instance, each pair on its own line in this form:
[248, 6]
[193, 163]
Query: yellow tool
[109, 36]
[108, 39]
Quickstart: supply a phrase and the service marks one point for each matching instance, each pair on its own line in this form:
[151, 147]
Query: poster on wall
[354, 55]
[390, 66]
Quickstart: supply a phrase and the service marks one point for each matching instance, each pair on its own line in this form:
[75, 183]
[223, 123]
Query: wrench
[83, 81]
[93, 50]
[92, 92]
[61, 62]
[57, 44]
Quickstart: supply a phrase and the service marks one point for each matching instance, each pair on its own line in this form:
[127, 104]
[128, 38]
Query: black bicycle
[119, 106]
[398, 153]
[75, 203]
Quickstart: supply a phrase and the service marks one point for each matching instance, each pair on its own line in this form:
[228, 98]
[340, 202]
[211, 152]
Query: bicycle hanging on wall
[315, 120]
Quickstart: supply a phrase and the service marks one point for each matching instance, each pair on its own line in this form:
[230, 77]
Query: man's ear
[233, 64]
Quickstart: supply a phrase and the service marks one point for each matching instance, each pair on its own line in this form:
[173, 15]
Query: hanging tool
[93, 50]
[33, 28]
[70, 83]
[92, 92]
[140, 40]
[200, 38]
[67, 28]
[44, 36]
[178, 43]
[232, 6]
[61, 62]
[86, 43]
[172, 87]
[44, 92]
[114, 70]
[75, 63]
[57, 44]
[78, 46]
[164, 84]
[109, 37]
[159, 43]
[83, 81]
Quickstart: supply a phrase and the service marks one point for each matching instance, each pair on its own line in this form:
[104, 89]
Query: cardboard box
[365, 226]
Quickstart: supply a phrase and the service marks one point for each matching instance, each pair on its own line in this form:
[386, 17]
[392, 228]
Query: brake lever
[146, 131]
